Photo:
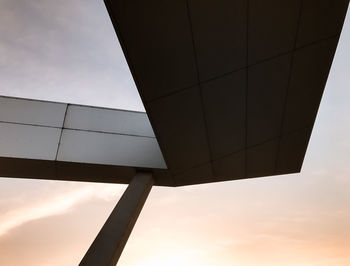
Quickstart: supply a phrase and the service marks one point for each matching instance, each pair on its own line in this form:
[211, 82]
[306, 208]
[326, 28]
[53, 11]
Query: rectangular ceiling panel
[109, 149]
[157, 36]
[195, 175]
[310, 70]
[31, 112]
[321, 19]
[223, 50]
[230, 166]
[25, 141]
[224, 107]
[261, 159]
[108, 120]
[272, 28]
[292, 151]
[267, 91]
[181, 115]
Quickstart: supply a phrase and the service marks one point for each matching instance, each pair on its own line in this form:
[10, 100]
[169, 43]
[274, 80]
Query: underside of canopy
[231, 90]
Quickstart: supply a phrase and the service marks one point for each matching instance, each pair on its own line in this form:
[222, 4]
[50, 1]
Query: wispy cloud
[56, 205]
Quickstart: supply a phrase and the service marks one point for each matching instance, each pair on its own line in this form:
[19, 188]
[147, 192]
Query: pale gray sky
[67, 51]
[63, 51]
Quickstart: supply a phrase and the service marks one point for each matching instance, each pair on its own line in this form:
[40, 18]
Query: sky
[66, 50]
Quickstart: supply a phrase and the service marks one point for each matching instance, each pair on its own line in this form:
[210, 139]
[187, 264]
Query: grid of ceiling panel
[39, 130]
[232, 88]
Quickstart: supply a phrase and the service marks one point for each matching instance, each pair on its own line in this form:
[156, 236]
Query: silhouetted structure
[231, 89]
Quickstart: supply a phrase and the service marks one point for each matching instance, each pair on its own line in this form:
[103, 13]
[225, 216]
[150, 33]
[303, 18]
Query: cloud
[56, 205]
[63, 51]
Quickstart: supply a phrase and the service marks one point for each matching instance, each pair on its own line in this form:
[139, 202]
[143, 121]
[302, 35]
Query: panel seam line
[179, 90]
[59, 141]
[288, 86]
[200, 88]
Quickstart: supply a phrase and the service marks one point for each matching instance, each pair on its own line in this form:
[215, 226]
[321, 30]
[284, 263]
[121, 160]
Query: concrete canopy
[59, 141]
[231, 88]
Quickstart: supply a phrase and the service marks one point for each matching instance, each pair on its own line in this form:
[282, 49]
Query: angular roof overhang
[231, 89]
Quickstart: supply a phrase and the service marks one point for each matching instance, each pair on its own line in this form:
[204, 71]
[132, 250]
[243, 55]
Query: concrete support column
[110, 241]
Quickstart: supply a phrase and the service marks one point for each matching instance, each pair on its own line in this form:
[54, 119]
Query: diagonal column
[110, 241]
